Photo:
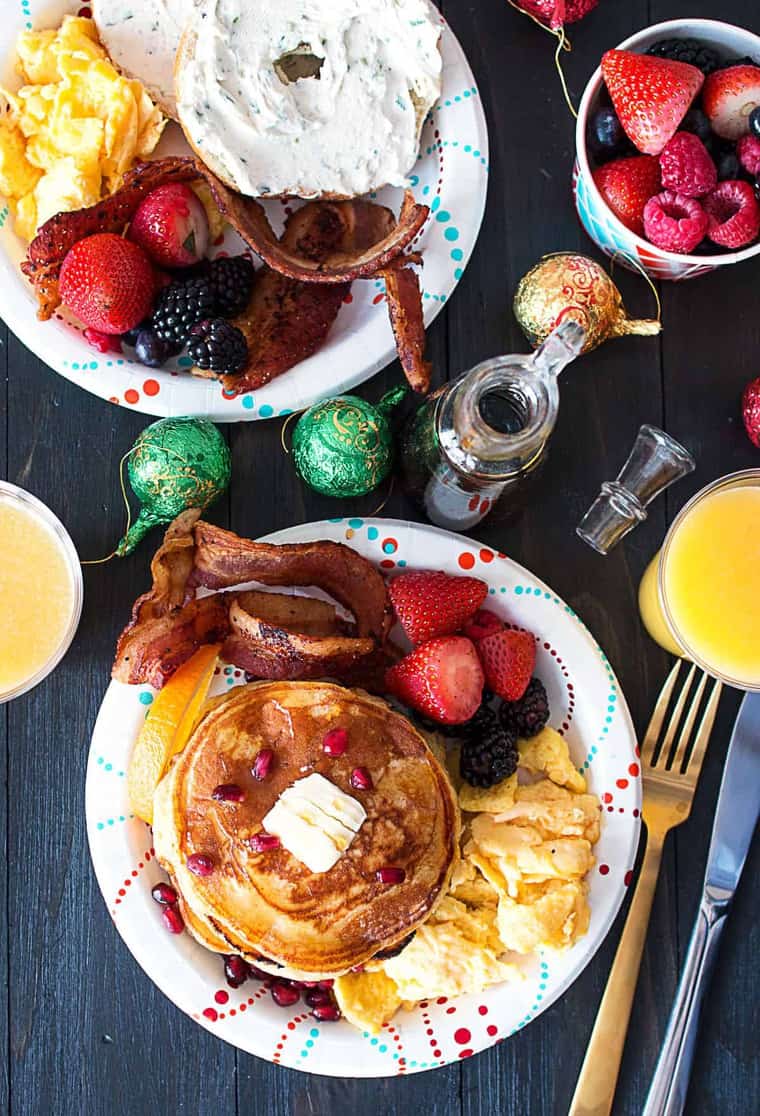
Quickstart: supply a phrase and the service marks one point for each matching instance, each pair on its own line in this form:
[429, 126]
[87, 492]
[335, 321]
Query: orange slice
[168, 726]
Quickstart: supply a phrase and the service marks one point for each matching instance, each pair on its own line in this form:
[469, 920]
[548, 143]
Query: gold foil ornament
[566, 285]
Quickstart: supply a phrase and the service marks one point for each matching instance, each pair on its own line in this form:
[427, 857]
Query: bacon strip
[402, 291]
[48, 250]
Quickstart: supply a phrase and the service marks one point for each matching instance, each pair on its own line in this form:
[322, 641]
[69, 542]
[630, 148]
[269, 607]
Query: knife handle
[670, 1084]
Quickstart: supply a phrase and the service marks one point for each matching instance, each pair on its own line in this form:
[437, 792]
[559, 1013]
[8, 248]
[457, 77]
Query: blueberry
[697, 123]
[130, 337]
[149, 350]
[754, 122]
[728, 166]
[606, 137]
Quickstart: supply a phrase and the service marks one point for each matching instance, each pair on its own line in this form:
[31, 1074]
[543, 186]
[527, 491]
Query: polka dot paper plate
[450, 176]
[587, 707]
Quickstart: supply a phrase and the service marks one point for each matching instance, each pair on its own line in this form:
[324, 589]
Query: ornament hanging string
[563, 43]
[635, 264]
[122, 485]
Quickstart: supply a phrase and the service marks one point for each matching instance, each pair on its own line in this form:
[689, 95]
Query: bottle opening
[504, 409]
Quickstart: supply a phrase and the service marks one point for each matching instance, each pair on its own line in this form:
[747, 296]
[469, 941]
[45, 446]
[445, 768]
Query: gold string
[100, 561]
[563, 43]
[635, 263]
[384, 501]
[283, 430]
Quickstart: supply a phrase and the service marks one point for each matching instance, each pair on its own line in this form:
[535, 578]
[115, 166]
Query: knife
[735, 820]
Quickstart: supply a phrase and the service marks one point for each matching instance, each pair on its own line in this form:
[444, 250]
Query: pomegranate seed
[317, 997]
[259, 974]
[390, 875]
[164, 894]
[228, 792]
[262, 842]
[335, 742]
[310, 983]
[262, 765]
[200, 864]
[285, 995]
[235, 970]
[326, 1013]
[172, 920]
[326, 983]
[361, 779]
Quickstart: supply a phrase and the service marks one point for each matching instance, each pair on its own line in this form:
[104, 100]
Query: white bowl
[607, 232]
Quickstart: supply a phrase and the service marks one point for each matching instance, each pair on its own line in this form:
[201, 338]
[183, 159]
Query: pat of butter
[315, 821]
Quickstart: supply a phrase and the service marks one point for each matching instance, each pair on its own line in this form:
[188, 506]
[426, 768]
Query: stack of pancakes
[268, 906]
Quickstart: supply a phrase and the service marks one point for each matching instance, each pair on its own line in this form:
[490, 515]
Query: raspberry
[733, 214]
[674, 222]
[751, 411]
[748, 150]
[686, 166]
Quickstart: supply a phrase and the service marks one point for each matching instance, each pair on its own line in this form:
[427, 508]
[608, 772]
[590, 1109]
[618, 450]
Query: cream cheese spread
[142, 37]
[309, 97]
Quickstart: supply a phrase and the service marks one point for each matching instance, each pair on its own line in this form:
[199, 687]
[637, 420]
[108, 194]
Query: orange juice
[40, 592]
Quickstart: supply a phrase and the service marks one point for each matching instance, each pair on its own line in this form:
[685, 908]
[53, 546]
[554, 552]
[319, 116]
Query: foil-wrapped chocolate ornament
[344, 446]
[175, 464]
[565, 285]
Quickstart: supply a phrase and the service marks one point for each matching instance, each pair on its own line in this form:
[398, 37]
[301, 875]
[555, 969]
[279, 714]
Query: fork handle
[595, 1090]
[667, 1093]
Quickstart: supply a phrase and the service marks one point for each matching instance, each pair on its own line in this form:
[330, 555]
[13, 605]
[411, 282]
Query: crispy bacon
[402, 290]
[48, 249]
[266, 634]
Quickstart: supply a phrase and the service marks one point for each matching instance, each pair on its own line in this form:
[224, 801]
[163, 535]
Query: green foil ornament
[175, 464]
[344, 446]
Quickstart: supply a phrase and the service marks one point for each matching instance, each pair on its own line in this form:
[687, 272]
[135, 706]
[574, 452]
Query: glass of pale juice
[40, 591]
[700, 595]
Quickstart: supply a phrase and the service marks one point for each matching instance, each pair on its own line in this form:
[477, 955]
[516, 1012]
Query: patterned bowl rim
[670, 28]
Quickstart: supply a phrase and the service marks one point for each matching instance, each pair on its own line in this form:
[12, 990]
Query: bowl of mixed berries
[667, 172]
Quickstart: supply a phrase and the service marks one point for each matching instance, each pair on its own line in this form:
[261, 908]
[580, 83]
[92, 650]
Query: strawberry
[555, 13]
[651, 95]
[508, 660]
[729, 97]
[627, 185]
[107, 282]
[751, 411]
[429, 603]
[442, 678]
[483, 623]
[172, 226]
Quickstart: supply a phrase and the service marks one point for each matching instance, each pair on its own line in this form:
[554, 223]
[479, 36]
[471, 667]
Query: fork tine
[703, 732]
[675, 719]
[652, 734]
[691, 716]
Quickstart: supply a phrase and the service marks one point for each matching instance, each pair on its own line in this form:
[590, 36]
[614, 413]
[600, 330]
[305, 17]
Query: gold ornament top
[566, 285]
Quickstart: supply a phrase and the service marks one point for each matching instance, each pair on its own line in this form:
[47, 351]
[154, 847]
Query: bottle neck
[496, 419]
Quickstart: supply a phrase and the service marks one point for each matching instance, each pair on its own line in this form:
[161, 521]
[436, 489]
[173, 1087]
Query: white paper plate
[587, 707]
[450, 176]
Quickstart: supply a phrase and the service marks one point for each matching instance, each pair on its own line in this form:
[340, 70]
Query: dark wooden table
[82, 1028]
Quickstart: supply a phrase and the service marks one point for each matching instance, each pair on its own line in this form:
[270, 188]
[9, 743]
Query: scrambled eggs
[519, 886]
[73, 129]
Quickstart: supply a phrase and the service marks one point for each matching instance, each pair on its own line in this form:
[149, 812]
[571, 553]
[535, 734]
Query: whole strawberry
[442, 678]
[650, 95]
[171, 225]
[627, 185]
[508, 660]
[555, 13]
[429, 603]
[751, 411]
[107, 282]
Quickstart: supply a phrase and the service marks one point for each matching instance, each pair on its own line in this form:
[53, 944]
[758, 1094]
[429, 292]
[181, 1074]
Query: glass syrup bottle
[475, 443]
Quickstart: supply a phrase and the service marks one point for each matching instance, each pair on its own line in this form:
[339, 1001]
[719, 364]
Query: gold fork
[670, 779]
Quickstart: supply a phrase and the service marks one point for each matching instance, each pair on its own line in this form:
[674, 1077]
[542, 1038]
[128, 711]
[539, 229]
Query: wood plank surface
[82, 1028]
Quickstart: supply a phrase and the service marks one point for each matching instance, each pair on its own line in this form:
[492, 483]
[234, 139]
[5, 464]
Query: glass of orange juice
[700, 596]
[40, 591]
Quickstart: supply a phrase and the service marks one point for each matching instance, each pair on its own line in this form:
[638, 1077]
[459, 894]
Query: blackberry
[179, 306]
[231, 279]
[690, 51]
[217, 347]
[452, 732]
[526, 717]
[697, 123]
[489, 758]
[481, 721]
